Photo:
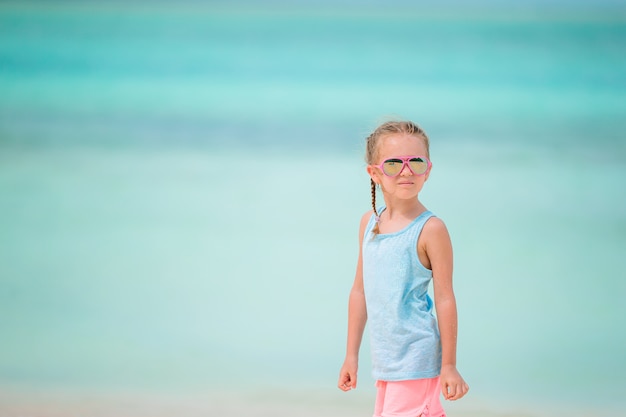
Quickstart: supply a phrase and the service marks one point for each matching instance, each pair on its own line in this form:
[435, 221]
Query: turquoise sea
[181, 185]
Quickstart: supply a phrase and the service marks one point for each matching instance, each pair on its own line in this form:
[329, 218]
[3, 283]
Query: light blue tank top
[404, 336]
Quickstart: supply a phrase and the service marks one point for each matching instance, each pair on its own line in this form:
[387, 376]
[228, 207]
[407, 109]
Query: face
[406, 184]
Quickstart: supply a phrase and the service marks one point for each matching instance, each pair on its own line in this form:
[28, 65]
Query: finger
[463, 391]
[444, 390]
[345, 382]
[342, 381]
[452, 392]
[345, 386]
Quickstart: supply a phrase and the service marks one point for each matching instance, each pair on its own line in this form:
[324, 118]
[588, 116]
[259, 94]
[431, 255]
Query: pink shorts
[414, 398]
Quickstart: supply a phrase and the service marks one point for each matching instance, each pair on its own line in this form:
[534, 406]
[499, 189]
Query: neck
[403, 208]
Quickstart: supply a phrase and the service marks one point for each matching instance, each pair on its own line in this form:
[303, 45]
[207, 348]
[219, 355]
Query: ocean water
[180, 191]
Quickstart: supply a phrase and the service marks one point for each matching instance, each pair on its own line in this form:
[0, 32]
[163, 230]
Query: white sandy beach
[275, 403]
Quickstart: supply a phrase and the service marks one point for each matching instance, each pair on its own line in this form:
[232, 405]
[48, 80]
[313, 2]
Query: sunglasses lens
[392, 167]
[418, 165]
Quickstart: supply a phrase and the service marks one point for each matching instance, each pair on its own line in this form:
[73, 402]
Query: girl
[402, 247]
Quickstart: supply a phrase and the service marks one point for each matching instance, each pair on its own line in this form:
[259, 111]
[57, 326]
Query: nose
[406, 171]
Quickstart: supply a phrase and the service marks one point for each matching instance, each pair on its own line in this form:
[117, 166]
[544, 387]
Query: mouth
[405, 183]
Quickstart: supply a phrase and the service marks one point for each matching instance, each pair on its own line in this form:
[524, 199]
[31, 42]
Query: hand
[347, 375]
[453, 387]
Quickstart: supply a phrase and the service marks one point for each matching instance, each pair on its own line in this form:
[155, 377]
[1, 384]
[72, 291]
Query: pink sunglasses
[392, 167]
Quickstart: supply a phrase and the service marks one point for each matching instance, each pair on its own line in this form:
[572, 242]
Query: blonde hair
[373, 143]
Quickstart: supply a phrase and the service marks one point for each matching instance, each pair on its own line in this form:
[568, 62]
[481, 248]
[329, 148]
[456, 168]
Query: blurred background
[181, 185]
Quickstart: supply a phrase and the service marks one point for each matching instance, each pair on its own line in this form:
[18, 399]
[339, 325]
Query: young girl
[402, 247]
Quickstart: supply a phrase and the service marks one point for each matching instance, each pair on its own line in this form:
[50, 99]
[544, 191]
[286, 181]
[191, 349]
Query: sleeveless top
[404, 336]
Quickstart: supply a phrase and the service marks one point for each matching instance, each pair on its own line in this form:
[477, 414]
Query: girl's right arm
[357, 317]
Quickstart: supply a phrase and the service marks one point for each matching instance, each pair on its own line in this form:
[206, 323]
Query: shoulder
[365, 219]
[435, 225]
[435, 230]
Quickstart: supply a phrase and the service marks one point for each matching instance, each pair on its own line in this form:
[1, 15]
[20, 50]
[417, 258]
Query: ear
[373, 173]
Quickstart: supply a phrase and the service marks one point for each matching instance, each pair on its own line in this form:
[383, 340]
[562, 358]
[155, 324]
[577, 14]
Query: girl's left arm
[438, 249]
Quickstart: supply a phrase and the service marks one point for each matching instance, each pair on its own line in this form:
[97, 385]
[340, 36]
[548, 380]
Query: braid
[375, 230]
